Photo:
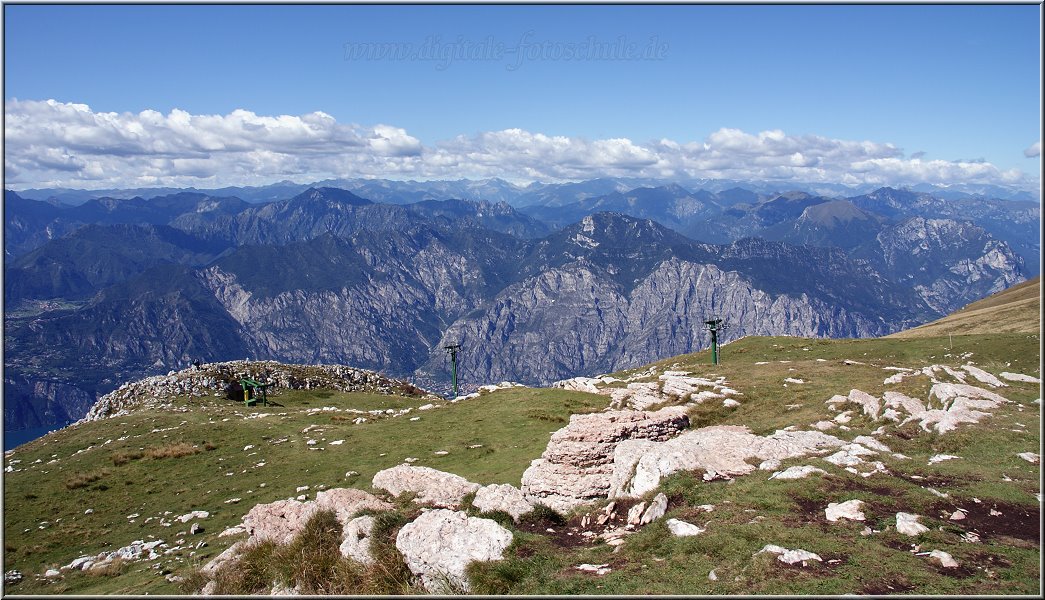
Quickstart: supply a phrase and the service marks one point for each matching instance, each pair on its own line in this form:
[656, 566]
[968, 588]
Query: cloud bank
[57, 144]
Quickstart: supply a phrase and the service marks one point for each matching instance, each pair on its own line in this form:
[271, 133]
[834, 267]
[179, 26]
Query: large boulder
[721, 451]
[439, 545]
[432, 487]
[502, 497]
[281, 520]
[576, 466]
[278, 521]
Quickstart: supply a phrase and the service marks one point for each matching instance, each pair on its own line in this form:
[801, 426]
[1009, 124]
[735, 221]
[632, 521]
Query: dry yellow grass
[172, 451]
[1015, 310]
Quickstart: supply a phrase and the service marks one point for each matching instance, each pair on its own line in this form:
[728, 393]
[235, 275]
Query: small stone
[712, 576]
[945, 559]
[596, 569]
[845, 510]
[1030, 457]
[908, 524]
[683, 529]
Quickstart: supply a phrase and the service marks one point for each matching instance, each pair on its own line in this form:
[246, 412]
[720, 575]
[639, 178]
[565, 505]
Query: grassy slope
[45, 525]
[1017, 309]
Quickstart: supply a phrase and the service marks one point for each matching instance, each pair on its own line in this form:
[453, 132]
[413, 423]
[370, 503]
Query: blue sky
[959, 83]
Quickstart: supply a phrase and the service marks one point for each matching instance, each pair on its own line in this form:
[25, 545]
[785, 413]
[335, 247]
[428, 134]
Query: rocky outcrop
[440, 544]
[949, 263]
[721, 451]
[576, 466]
[211, 379]
[433, 487]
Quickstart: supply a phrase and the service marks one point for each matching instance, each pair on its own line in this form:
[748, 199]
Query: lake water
[21, 436]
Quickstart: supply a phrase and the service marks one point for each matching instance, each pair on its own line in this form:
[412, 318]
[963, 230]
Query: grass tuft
[122, 457]
[81, 480]
[176, 450]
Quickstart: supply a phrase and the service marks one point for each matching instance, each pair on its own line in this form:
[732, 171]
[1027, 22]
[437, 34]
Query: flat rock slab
[432, 487]
[721, 451]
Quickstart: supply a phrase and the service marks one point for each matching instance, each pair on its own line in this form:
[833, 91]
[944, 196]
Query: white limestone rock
[944, 559]
[579, 384]
[790, 557]
[683, 529]
[346, 502]
[433, 487]
[657, 507]
[355, 544]
[870, 442]
[849, 510]
[797, 472]
[211, 568]
[720, 451]
[984, 377]
[907, 524]
[1030, 457]
[1019, 377]
[577, 465]
[440, 544]
[869, 403]
[278, 521]
[503, 497]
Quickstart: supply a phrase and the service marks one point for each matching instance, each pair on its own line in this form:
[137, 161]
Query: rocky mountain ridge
[330, 276]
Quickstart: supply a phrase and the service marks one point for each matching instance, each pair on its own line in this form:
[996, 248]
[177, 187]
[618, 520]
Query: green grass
[492, 439]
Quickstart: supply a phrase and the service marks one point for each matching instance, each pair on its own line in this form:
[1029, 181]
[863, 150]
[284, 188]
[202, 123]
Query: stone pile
[211, 379]
[437, 546]
[676, 387]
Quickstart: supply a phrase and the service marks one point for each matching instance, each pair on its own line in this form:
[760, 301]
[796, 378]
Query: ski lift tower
[452, 349]
[714, 326]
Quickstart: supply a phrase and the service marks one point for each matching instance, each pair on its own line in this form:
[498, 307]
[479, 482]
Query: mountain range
[536, 285]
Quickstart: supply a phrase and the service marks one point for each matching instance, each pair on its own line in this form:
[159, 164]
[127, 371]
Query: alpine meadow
[511, 299]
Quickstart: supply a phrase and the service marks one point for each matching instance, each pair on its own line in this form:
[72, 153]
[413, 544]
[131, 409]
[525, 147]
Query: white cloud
[56, 144]
[1034, 151]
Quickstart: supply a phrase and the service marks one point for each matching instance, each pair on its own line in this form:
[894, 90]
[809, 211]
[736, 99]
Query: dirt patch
[897, 544]
[935, 480]
[807, 511]
[582, 530]
[1001, 522]
[962, 571]
[844, 484]
[882, 587]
